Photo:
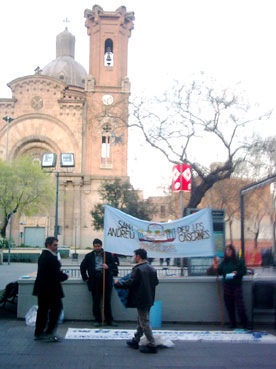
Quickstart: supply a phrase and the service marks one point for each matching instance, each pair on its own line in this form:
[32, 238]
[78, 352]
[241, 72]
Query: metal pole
[181, 213]
[9, 253]
[7, 143]
[75, 236]
[56, 217]
[242, 223]
[8, 121]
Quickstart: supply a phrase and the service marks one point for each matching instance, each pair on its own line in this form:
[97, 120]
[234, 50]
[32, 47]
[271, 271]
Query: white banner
[191, 236]
[238, 335]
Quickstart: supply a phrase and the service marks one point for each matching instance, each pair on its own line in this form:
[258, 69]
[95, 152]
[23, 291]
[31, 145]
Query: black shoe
[112, 324]
[47, 337]
[42, 337]
[38, 338]
[232, 326]
[148, 349]
[53, 339]
[133, 344]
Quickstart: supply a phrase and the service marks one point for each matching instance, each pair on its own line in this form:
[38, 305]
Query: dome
[64, 67]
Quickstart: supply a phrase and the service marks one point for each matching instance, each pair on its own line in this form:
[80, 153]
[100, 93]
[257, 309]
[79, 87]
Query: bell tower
[108, 90]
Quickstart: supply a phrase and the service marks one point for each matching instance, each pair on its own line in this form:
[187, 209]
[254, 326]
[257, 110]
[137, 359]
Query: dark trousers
[144, 326]
[233, 298]
[49, 309]
[97, 294]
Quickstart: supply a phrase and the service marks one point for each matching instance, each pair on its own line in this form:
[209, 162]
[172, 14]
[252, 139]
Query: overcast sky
[233, 41]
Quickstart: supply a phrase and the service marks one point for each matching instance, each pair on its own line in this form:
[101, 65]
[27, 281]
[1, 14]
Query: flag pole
[103, 290]
[181, 212]
[220, 302]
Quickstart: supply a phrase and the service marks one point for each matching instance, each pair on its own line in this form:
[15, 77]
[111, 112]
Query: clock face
[107, 99]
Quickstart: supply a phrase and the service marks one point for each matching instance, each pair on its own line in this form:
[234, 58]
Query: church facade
[64, 109]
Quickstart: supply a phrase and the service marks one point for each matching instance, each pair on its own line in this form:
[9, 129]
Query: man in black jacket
[92, 268]
[141, 283]
[49, 292]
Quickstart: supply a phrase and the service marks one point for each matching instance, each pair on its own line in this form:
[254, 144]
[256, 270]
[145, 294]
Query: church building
[62, 109]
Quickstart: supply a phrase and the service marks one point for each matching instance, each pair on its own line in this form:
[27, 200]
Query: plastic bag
[30, 317]
[160, 341]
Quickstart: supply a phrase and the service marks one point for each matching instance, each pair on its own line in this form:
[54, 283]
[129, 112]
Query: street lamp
[49, 160]
[8, 120]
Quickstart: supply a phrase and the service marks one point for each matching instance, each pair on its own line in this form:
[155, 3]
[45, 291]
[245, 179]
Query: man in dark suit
[49, 292]
[92, 268]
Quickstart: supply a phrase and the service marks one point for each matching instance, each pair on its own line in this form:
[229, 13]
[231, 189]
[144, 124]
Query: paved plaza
[18, 350]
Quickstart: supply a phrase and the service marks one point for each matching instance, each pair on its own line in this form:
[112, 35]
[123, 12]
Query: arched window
[106, 133]
[108, 53]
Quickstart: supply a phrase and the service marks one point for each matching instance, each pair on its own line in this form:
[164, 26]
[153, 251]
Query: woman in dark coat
[233, 269]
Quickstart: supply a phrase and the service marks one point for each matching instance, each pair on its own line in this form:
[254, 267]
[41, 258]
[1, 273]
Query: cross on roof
[66, 20]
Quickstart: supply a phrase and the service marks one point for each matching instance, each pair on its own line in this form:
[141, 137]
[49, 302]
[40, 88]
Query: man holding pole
[96, 270]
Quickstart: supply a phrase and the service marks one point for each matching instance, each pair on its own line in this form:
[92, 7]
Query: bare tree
[225, 195]
[257, 206]
[197, 119]
[263, 158]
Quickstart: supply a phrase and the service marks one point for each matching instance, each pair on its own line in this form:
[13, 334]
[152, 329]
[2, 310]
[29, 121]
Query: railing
[74, 272]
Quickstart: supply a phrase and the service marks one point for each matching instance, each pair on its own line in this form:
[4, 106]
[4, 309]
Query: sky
[233, 41]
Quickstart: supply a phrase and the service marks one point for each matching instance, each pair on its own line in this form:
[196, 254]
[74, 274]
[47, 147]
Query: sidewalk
[18, 350]
[11, 273]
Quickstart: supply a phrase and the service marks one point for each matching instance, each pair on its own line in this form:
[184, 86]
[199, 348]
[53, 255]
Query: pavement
[18, 350]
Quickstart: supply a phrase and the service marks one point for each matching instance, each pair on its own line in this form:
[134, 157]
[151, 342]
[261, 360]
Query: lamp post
[8, 120]
[49, 160]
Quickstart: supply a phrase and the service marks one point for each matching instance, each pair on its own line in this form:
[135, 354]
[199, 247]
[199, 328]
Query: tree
[263, 157]
[24, 189]
[196, 118]
[225, 195]
[121, 195]
[257, 206]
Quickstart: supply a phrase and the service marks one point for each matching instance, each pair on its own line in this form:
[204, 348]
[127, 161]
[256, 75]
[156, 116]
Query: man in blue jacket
[141, 284]
[49, 292]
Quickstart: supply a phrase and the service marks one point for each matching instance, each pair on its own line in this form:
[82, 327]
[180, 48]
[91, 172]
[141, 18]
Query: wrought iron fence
[74, 272]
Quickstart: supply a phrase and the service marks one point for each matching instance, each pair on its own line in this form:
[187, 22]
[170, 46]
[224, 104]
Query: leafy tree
[193, 119]
[24, 188]
[121, 195]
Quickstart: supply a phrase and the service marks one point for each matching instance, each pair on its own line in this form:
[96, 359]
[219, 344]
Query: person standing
[48, 289]
[232, 269]
[92, 269]
[141, 284]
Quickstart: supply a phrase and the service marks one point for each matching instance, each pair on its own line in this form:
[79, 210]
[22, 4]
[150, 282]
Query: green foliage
[121, 195]
[24, 188]
[4, 243]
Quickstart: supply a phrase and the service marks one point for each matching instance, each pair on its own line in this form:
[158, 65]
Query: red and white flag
[182, 178]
